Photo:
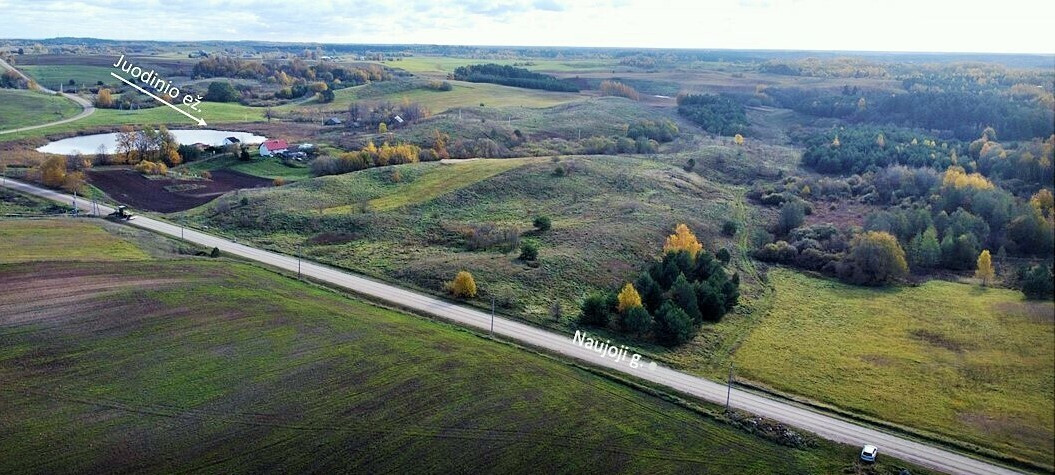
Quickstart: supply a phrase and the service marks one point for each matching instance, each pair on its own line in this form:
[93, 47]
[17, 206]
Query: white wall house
[271, 147]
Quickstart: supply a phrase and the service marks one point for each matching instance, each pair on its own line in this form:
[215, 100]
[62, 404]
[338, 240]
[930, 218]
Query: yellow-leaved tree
[738, 139]
[1043, 202]
[104, 99]
[463, 285]
[682, 240]
[985, 268]
[628, 298]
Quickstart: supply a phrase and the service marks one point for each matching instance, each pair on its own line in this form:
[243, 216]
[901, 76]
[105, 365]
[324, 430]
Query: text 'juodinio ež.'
[159, 84]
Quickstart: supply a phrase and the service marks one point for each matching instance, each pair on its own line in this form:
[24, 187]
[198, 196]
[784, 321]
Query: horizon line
[671, 48]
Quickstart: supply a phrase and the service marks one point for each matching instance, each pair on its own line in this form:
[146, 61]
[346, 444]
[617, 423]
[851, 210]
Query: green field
[443, 65]
[52, 76]
[20, 108]
[61, 240]
[177, 365]
[261, 167]
[972, 363]
[464, 94]
[212, 112]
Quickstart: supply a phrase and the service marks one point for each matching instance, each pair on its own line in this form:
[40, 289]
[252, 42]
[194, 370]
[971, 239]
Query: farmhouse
[271, 147]
[333, 121]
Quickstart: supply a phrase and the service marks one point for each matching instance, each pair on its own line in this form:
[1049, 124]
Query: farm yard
[118, 372]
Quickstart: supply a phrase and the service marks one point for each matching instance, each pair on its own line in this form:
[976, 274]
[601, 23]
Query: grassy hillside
[610, 216]
[443, 180]
[952, 358]
[177, 365]
[22, 108]
[606, 116]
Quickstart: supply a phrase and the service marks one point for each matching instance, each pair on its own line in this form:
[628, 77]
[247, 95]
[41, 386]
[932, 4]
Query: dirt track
[135, 190]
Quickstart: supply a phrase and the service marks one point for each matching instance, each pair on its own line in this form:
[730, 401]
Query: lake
[89, 144]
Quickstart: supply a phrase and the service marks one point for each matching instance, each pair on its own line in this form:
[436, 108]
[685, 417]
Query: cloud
[549, 5]
[937, 25]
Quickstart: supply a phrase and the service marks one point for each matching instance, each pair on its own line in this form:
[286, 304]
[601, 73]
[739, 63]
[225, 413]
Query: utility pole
[729, 388]
[492, 317]
[298, 261]
[75, 202]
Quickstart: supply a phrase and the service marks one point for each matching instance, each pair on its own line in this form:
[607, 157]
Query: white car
[869, 452]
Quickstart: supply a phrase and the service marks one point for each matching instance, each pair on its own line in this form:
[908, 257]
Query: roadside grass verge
[13, 203]
[971, 363]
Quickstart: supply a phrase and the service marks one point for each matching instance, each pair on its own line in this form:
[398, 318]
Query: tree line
[512, 76]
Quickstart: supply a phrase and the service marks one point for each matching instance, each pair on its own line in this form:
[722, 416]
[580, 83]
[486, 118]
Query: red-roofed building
[271, 147]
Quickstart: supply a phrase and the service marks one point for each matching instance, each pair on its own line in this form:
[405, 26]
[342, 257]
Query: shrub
[278, 181]
[661, 131]
[542, 223]
[877, 259]
[595, 311]
[616, 88]
[1037, 282]
[222, 91]
[487, 236]
[151, 168]
[792, 214]
[729, 228]
[215, 252]
[463, 285]
[637, 320]
[779, 252]
[439, 86]
[528, 251]
[723, 255]
[684, 295]
[672, 325]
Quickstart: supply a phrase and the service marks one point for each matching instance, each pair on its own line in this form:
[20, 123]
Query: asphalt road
[86, 106]
[824, 425]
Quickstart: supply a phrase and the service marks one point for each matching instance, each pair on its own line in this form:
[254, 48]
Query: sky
[1005, 26]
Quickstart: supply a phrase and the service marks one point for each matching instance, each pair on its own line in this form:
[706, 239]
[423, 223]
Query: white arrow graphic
[144, 91]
